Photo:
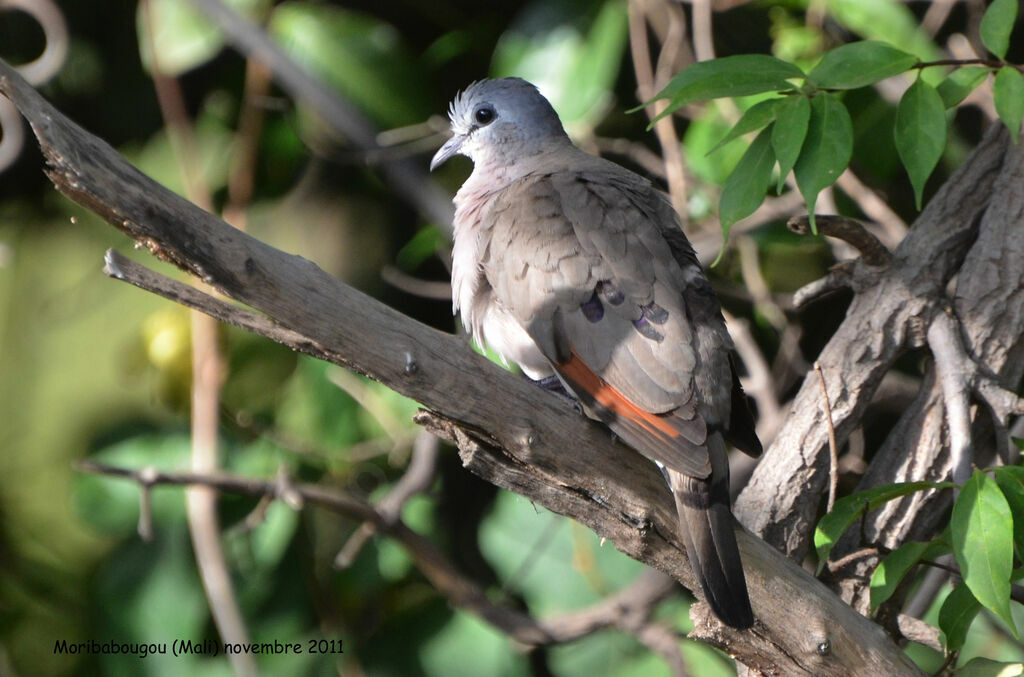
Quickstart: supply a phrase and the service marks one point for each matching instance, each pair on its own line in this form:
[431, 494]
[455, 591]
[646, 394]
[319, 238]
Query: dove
[577, 270]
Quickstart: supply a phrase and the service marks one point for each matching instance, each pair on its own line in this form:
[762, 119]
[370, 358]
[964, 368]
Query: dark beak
[451, 147]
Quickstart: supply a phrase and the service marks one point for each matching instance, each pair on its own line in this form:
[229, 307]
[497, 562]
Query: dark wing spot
[645, 328]
[610, 292]
[655, 313]
[592, 309]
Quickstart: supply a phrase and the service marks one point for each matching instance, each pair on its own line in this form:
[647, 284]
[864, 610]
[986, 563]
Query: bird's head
[495, 121]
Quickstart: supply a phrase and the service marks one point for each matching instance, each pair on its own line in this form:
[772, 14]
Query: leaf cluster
[985, 537]
[804, 126]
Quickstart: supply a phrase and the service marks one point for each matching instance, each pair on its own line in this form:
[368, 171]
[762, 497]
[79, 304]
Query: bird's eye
[484, 115]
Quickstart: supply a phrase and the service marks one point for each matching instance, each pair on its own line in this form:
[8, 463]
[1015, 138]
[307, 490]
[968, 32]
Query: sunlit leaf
[849, 509]
[981, 530]
[997, 24]
[986, 667]
[1008, 93]
[891, 571]
[826, 151]
[859, 64]
[960, 83]
[180, 36]
[572, 52]
[754, 118]
[361, 55]
[744, 190]
[920, 134]
[792, 115]
[887, 21]
[423, 245]
[738, 75]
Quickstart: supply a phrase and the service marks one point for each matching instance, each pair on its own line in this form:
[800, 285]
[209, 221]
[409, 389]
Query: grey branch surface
[892, 311]
[533, 444]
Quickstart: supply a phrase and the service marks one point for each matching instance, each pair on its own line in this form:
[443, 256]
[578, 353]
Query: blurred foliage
[94, 368]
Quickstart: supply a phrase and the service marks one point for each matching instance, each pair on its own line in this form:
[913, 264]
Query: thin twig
[416, 479]
[702, 30]
[833, 451]
[664, 128]
[839, 564]
[208, 369]
[427, 289]
[839, 278]
[638, 599]
[750, 269]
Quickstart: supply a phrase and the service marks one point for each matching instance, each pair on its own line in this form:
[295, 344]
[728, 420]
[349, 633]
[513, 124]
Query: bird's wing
[580, 260]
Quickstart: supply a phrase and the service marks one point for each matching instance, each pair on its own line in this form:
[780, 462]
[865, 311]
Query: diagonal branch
[629, 608]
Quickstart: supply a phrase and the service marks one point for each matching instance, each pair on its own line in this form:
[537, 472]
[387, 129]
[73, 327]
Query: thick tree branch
[890, 313]
[629, 609]
[979, 344]
[532, 443]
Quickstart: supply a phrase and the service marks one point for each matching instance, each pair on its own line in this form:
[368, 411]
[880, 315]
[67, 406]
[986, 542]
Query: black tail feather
[707, 528]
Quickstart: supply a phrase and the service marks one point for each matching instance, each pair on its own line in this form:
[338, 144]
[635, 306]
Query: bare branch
[628, 609]
[647, 87]
[889, 315]
[838, 278]
[416, 479]
[851, 231]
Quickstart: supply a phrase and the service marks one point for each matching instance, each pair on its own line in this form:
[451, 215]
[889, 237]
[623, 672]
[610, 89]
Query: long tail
[706, 525]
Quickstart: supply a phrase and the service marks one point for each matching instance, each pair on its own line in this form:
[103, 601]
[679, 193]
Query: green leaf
[1011, 481]
[956, 614]
[738, 75]
[1008, 93]
[885, 20]
[960, 83]
[826, 151]
[891, 571]
[792, 114]
[182, 38]
[981, 529]
[848, 509]
[986, 667]
[745, 188]
[920, 133]
[573, 49]
[755, 118]
[996, 25]
[423, 245]
[859, 64]
[365, 58]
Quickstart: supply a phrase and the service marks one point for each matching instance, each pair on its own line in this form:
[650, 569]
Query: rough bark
[890, 314]
[533, 444]
[988, 304]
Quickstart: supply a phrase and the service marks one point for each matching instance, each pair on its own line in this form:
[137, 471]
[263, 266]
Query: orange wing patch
[581, 377]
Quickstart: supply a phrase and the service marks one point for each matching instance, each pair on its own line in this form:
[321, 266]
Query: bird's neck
[497, 169]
